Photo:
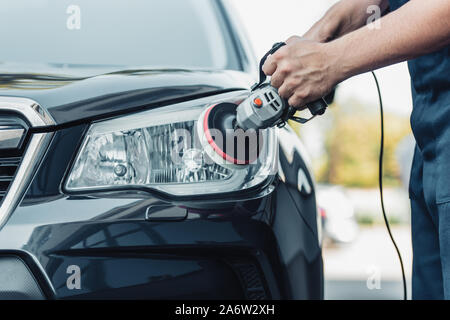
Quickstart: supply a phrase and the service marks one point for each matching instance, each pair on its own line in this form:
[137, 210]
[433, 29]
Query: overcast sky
[270, 21]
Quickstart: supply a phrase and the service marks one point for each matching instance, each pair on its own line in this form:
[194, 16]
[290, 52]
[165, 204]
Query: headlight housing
[159, 150]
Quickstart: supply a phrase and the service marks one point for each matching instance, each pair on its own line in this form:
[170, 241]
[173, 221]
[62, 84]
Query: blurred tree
[353, 144]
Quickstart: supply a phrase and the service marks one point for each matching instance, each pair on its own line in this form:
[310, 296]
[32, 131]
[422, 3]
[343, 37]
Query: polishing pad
[224, 143]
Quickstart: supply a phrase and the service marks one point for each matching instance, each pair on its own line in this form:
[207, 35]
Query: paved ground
[368, 268]
[357, 290]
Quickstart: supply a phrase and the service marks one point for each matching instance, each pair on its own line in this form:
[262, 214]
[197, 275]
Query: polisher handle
[262, 75]
[318, 107]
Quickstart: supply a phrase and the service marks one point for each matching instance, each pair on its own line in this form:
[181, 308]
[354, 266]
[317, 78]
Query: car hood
[82, 94]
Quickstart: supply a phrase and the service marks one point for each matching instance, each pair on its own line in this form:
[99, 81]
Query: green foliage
[353, 145]
[366, 220]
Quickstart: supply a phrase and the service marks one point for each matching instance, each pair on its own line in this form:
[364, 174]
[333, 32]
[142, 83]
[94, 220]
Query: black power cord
[380, 182]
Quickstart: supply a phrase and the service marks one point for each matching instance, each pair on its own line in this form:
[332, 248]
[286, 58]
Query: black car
[93, 95]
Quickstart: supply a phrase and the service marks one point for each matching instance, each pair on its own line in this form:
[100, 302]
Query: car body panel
[71, 99]
[58, 231]
[265, 244]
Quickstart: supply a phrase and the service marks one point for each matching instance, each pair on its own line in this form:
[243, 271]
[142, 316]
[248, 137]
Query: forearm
[342, 18]
[417, 28]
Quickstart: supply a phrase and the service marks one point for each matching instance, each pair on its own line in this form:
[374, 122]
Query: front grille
[252, 280]
[13, 132]
[21, 150]
[8, 168]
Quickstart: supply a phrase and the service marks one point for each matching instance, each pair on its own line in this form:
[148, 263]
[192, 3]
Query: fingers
[286, 89]
[293, 39]
[283, 69]
[295, 101]
[289, 76]
[299, 99]
[280, 75]
[269, 66]
[272, 62]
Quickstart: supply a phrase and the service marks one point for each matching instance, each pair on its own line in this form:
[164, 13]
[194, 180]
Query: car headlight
[159, 149]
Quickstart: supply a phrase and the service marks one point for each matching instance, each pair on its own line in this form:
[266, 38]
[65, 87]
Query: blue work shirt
[430, 119]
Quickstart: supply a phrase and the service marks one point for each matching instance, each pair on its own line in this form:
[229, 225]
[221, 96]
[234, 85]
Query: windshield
[152, 33]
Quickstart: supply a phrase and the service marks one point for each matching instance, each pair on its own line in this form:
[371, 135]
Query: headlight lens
[159, 149]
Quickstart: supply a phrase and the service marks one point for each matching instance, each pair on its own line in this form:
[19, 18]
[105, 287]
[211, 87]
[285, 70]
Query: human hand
[303, 71]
